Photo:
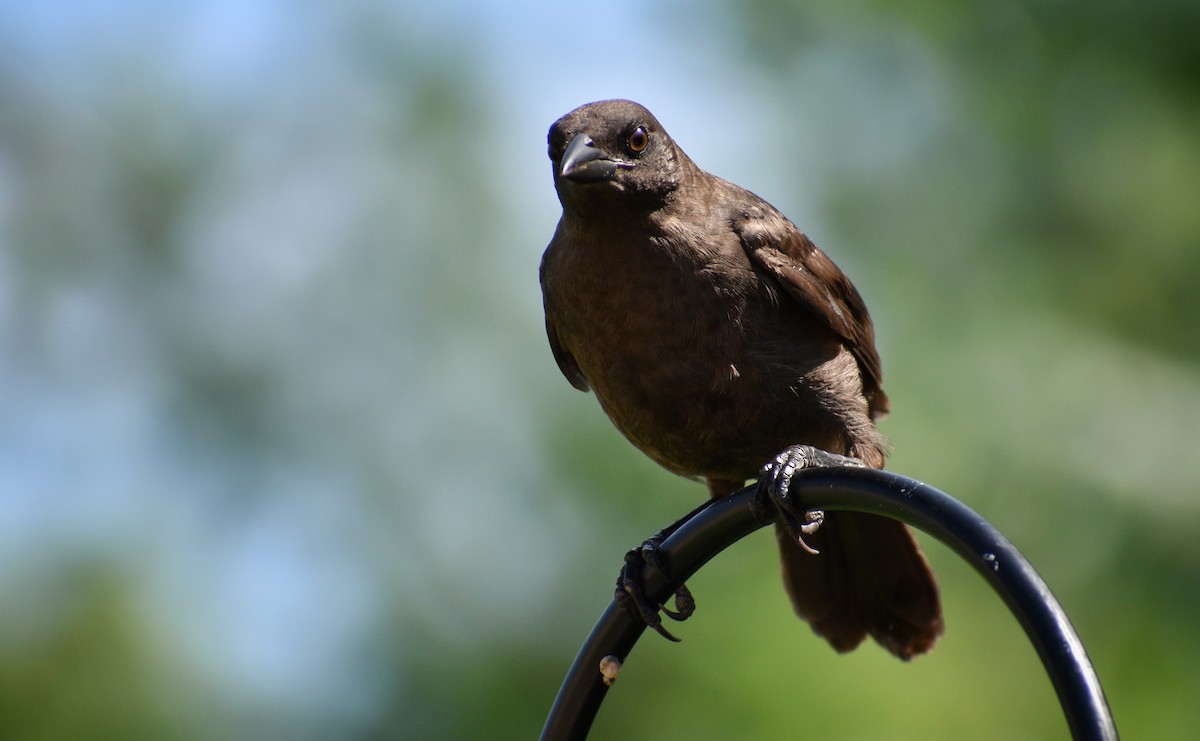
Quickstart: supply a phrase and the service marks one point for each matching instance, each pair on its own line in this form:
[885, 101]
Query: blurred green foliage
[283, 453]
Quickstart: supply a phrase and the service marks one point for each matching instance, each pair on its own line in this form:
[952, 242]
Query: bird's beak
[583, 162]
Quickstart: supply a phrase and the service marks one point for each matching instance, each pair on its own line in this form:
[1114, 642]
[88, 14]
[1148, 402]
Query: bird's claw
[812, 522]
[631, 594]
[776, 480]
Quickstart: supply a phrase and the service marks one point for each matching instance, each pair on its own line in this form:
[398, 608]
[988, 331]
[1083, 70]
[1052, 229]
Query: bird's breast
[663, 341]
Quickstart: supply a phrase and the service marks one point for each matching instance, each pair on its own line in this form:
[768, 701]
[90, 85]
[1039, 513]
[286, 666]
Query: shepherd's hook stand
[730, 519]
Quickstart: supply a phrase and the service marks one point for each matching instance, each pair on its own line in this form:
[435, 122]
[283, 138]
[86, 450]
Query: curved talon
[814, 517]
[685, 605]
[806, 547]
[665, 633]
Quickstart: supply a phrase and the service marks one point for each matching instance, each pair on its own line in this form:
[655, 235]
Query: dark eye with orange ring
[638, 140]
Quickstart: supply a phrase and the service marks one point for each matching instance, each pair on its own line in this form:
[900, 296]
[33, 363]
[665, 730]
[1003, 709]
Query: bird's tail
[870, 577]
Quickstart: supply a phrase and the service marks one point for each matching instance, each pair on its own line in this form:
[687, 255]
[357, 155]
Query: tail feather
[870, 578]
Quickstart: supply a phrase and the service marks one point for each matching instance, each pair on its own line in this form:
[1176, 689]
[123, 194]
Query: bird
[714, 334]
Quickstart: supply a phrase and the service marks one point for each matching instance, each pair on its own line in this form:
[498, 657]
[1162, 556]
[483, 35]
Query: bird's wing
[810, 278]
[564, 358]
[566, 361]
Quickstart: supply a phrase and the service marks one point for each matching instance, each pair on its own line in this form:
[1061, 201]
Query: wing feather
[813, 281]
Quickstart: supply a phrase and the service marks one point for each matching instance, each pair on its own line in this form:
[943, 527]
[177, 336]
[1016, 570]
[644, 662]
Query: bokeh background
[284, 454]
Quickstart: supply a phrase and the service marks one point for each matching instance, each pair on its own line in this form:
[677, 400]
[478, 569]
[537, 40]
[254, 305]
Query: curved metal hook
[730, 519]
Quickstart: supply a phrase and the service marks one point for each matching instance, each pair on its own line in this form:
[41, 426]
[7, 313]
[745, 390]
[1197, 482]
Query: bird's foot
[631, 592]
[776, 480]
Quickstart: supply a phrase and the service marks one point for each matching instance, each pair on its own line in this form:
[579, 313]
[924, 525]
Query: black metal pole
[866, 490]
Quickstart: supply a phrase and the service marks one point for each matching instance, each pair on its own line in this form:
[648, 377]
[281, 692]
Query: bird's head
[613, 147]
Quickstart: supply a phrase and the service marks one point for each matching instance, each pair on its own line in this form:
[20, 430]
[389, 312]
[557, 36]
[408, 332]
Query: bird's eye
[638, 140]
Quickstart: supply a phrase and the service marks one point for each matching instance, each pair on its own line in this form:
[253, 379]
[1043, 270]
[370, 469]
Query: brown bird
[715, 334]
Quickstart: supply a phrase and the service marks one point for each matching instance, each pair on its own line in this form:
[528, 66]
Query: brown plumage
[715, 334]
